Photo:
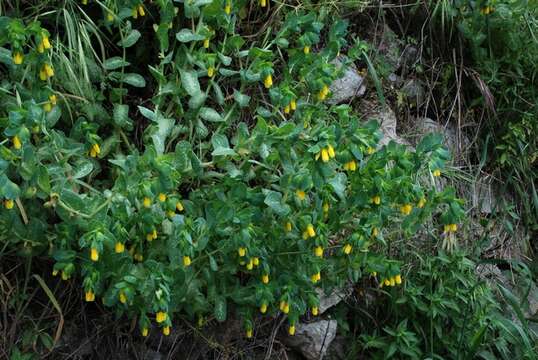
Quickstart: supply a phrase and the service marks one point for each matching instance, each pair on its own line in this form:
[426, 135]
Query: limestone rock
[348, 86]
[313, 339]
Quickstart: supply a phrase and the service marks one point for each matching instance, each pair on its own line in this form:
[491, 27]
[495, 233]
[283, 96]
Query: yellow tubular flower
[186, 261]
[300, 194]
[170, 213]
[310, 230]
[249, 333]
[94, 254]
[53, 99]
[48, 70]
[242, 251]
[161, 316]
[162, 197]
[250, 265]
[206, 43]
[287, 109]
[392, 281]
[17, 144]
[149, 237]
[319, 152]
[375, 232]
[141, 10]
[346, 166]
[374, 273]
[318, 251]
[179, 206]
[42, 75]
[325, 207]
[376, 200]
[95, 150]
[398, 279]
[134, 13]
[228, 7]
[263, 3]
[286, 308]
[119, 247]
[288, 226]
[147, 202]
[291, 330]
[90, 296]
[370, 150]
[263, 308]
[306, 50]
[421, 203]
[453, 227]
[154, 234]
[324, 155]
[18, 57]
[110, 16]
[293, 105]
[166, 330]
[123, 298]
[84, 2]
[265, 278]
[9, 203]
[256, 261]
[46, 42]
[40, 48]
[352, 165]
[331, 152]
[145, 332]
[65, 276]
[315, 310]
[437, 173]
[54, 272]
[321, 96]
[211, 71]
[386, 282]
[268, 81]
[347, 249]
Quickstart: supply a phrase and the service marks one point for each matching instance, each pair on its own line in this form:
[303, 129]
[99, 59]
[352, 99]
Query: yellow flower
[242, 251]
[263, 308]
[310, 230]
[179, 206]
[284, 307]
[376, 200]
[392, 281]
[186, 261]
[287, 109]
[17, 144]
[293, 105]
[347, 249]
[47, 107]
[256, 261]
[398, 279]
[263, 3]
[54, 272]
[265, 278]
[145, 332]
[48, 70]
[161, 316]
[95, 150]
[18, 57]
[250, 265]
[141, 10]
[9, 203]
[65, 276]
[170, 213]
[318, 251]
[324, 155]
[370, 150]
[421, 203]
[110, 16]
[42, 74]
[248, 333]
[166, 330]
[134, 13]
[53, 99]
[291, 330]
[90, 296]
[352, 165]
[288, 226]
[386, 282]
[146, 202]
[315, 310]
[211, 71]
[453, 227]
[84, 2]
[268, 81]
[300, 194]
[123, 298]
[305, 235]
[406, 209]
[316, 277]
[306, 50]
[206, 43]
[162, 197]
[331, 152]
[94, 254]
[437, 173]
[374, 273]
[228, 7]
[325, 207]
[138, 257]
[40, 48]
[45, 41]
[119, 247]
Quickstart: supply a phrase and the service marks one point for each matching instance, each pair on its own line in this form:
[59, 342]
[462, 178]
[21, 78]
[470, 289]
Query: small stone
[348, 86]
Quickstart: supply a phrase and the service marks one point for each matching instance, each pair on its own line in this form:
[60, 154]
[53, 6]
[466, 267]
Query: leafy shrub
[232, 182]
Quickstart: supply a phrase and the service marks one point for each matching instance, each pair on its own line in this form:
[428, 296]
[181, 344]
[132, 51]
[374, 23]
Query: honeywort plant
[246, 189]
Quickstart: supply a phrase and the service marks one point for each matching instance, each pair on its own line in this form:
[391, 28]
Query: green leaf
[273, 199]
[186, 35]
[130, 39]
[121, 115]
[338, 184]
[241, 99]
[43, 179]
[134, 80]
[147, 113]
[189, 81]
[114, 63]
[210, 114]
[221, 147]
[8, 189]
[220, 309]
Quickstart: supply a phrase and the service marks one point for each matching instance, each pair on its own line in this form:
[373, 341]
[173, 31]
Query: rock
[390, 47]
[313, 339]
[483, 198]
[456, 142]
[395, 80]
[348, 86]
[414, 92]
[334, 298]
[387, 122]
[338, 350]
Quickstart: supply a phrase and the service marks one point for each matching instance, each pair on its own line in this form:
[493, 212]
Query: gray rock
[456, 142]
[387, 122]
[390, 47]
[414, 92]
[334, 298]
[348, 86]
[313, 339]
